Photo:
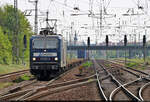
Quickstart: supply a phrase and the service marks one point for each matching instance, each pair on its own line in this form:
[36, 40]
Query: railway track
[18, 94]
[18, 87]
[144, 92]
[3, 77]
[137, 73]
[24, 90]
[123, 62]
[119, 90]
[55, 88]
[111, 85]
[42, 90]
[106, 85]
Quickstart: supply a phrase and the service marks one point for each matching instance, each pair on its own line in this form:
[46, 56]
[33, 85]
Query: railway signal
[25, 46]
[125, 44]
[144, 40]
[107, 40]
[88, 41]
[144, 45]
[25, 41]
[125, 40]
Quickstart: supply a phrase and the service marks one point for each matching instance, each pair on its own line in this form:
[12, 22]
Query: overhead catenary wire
[108, 4]
[67, 6]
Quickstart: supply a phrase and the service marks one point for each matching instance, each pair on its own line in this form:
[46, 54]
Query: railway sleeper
[14, 89]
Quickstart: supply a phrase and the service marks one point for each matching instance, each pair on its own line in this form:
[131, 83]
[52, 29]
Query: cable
[67, 6]
[108, 4]
[57, 9]
[134, 2]
[91, 9]
[137, 3]
[49, 4]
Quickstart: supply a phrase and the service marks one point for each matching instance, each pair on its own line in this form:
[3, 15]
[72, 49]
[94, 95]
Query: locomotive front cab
[45, 55]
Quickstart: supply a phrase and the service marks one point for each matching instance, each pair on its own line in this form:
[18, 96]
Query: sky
[62, 10]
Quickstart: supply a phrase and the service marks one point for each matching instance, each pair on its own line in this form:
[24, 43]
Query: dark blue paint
[58, 50]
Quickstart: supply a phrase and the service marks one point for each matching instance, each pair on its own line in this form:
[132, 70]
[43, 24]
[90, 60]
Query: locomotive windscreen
[45, 43]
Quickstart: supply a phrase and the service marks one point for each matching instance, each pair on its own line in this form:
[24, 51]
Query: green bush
[132, 64]
[87, 64]
[22, 78]
[107, 65]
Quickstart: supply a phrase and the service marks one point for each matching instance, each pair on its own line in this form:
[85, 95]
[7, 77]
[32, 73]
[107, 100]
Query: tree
[7, 23]
[5, 49]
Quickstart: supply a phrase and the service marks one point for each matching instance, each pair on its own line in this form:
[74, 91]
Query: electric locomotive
[47, 54]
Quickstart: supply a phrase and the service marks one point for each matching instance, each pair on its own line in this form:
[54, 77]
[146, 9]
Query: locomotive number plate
[44, 54]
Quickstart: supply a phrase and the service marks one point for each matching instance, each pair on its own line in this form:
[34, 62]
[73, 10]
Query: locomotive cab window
[38, 43]
[51, 43]
[47, 43]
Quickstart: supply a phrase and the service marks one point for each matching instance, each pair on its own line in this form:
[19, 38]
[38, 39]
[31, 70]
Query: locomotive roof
[56, 36]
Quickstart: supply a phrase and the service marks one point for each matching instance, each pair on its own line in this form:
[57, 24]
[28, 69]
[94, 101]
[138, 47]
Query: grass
[87, 64]
[132, 64]
[107, 65]
[4, 69]
[5, 84]
[136, 63]
[137, 60]
[24, 77]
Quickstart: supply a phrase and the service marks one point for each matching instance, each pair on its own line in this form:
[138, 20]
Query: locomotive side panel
[63, 54]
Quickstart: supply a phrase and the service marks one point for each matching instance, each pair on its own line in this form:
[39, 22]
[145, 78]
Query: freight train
[48, 55]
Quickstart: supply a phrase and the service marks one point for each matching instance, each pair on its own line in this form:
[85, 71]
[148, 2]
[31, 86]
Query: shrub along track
[126, 87]
[33, 93]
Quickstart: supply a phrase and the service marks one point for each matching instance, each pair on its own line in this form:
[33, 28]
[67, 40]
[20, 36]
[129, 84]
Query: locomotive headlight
[34, 59]
[56, 59]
